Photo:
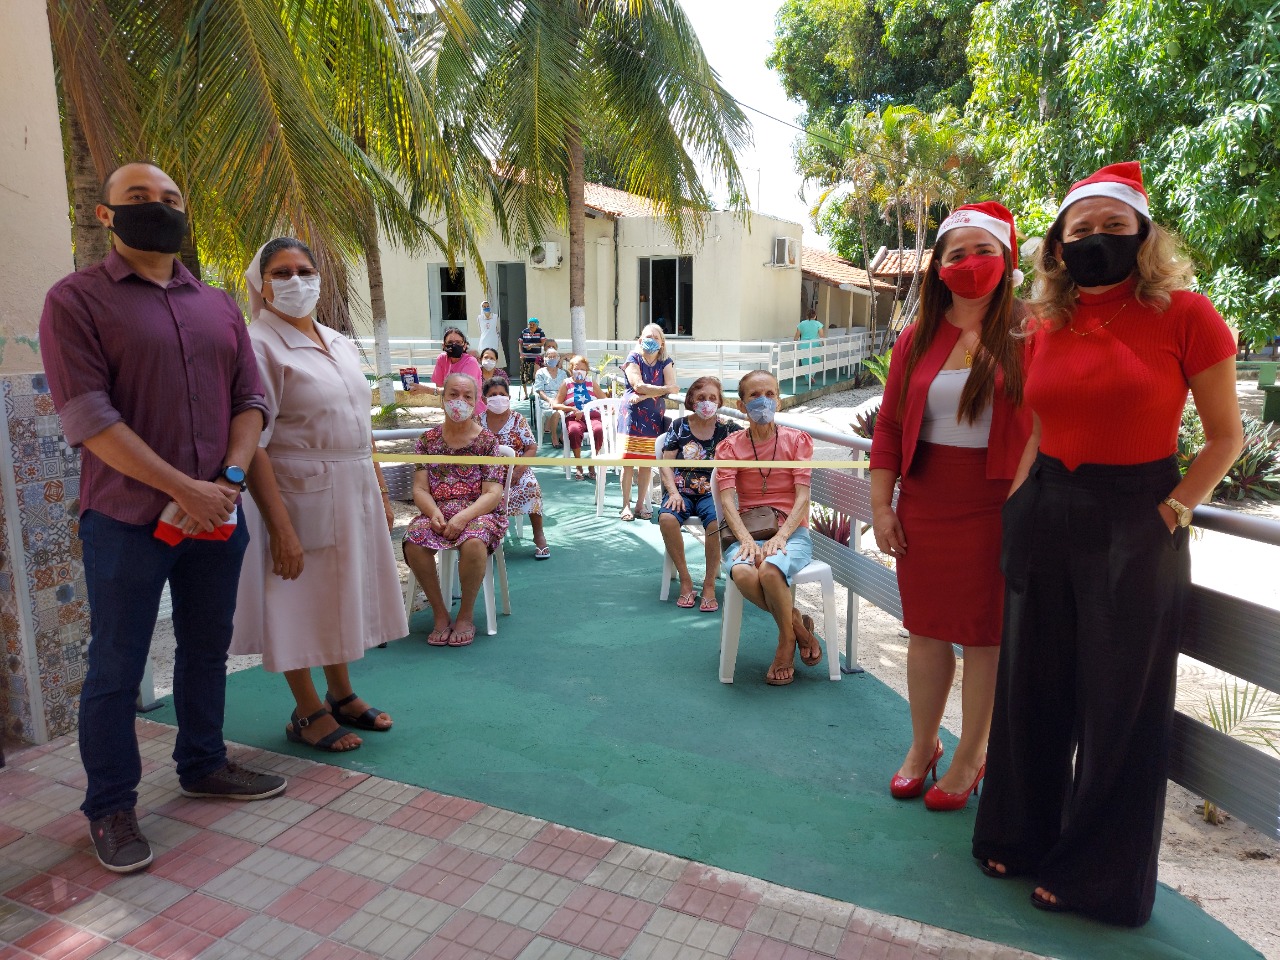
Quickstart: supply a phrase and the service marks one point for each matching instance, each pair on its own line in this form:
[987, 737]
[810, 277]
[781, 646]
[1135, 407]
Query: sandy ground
[1231, 870]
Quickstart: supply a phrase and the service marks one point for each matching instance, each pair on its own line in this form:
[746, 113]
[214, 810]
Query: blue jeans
[125, 569]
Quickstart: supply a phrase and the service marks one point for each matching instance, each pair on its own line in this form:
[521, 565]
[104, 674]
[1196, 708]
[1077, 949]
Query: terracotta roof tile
[899, 262]
[617, 203]
[836, 270]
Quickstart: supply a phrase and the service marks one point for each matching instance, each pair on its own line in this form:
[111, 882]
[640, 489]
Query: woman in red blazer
[952, 427]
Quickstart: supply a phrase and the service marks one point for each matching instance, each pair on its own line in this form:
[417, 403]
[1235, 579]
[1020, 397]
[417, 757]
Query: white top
[940, 426]
[488, 327]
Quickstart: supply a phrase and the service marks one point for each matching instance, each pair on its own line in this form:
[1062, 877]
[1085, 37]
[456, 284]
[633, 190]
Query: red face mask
[973, 277]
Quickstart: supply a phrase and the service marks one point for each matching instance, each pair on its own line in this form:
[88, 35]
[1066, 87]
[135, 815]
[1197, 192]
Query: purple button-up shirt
[173, 363]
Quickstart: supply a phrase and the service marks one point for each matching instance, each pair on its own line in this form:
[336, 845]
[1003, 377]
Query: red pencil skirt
[950, 580]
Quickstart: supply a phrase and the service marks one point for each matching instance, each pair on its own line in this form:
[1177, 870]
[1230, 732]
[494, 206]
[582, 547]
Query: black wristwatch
[234, 474]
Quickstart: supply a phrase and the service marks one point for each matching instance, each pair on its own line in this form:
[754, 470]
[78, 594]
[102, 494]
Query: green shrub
[1255, 474]
[878, 365]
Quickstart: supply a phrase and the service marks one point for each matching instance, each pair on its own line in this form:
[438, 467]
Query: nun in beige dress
[319, 584]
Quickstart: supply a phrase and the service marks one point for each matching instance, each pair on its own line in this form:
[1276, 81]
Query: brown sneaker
[119, 842]
[234, 782]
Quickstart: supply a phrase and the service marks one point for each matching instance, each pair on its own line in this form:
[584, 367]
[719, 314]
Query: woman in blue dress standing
[651, 375]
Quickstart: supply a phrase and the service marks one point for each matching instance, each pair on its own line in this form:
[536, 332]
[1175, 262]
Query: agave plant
[1256, 472]
[864, 424]
[1246, 712]
[831, 524]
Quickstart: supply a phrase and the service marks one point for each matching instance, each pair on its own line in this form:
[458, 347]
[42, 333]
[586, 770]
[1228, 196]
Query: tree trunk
[577, 244]
[188, 254]
[381, 336]
[89, 237]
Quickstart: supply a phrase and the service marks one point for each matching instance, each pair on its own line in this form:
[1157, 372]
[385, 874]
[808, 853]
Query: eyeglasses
[284, 273]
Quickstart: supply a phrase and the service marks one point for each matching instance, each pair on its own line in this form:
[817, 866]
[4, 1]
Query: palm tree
[635, 72]
[301, 115]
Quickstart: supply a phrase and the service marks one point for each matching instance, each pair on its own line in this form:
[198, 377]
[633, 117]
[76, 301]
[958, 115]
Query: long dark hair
[998, 349]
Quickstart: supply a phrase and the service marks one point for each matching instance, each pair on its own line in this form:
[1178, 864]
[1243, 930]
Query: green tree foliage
[843, 57]
[1190, 89]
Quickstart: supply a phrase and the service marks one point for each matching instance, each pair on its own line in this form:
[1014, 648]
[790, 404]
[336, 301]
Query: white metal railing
[728, 360]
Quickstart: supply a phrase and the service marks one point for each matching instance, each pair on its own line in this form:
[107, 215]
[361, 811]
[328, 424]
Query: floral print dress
[526, 495]
[455, 487]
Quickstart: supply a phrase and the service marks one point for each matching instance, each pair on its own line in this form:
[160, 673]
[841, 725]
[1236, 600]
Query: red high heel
[906, 788]
[937, 799]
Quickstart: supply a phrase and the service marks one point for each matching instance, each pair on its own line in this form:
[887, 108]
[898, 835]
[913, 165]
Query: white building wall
[736, 294]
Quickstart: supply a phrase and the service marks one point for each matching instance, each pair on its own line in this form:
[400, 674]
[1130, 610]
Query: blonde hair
[578, 358]
[1163, 266]
[661, 334]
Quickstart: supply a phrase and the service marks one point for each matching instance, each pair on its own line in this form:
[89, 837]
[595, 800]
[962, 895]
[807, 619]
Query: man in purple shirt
[154, 377]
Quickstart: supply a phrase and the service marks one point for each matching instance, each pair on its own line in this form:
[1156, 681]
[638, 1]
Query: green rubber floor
[598, 707]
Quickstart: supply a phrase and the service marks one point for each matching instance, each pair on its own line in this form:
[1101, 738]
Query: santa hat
[1119, 181]
[992, 217]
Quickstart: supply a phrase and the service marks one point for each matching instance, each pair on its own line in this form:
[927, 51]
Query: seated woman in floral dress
[512, 430]
[461, 508]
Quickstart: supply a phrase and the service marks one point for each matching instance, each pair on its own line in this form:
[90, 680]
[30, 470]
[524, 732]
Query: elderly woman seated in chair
[461, 508]
[772, 544]
[688, 490]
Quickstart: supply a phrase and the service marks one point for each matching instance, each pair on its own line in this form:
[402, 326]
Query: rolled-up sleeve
[246, 385]
[75, 365]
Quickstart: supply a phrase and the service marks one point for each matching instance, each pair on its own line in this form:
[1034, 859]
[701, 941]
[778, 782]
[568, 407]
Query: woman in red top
[952, 427]
[1095, 554]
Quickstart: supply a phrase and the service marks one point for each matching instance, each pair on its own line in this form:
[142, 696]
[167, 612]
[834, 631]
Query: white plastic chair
[731, 611]
[447, 567]
[607, 407]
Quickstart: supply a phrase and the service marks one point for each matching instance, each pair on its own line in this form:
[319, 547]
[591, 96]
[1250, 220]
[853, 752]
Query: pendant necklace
[764, 474]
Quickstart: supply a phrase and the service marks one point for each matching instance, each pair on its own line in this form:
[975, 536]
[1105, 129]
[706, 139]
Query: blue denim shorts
[703, 507]
[799, 554]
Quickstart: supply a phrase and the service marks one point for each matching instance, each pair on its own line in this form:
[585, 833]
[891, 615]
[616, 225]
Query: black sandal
[366, 721]
[326, 743]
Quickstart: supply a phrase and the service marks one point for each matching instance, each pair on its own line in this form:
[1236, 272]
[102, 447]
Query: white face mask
[579, 375]
[705, 408]
[488, 363]
[498, 403]
[297, 296]
[459, 411]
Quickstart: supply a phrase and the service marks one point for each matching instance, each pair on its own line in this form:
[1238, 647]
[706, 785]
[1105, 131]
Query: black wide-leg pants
[1078, 754]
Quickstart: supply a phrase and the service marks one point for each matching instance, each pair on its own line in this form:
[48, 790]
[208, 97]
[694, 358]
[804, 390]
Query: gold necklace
[968, 354]
[1072, 325]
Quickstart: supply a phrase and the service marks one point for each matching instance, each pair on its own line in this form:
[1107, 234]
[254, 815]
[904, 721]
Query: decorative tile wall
[46, 477]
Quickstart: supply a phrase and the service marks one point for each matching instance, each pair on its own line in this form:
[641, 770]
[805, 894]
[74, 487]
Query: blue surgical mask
[553, 362]
[762, 409]
[650, 344]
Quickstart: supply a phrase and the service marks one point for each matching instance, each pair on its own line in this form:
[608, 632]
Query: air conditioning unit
[545, 256]
[786, 252]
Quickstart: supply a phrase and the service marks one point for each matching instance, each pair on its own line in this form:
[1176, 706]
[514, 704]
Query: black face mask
[1102, 259]
[153, 227]
[454, 350]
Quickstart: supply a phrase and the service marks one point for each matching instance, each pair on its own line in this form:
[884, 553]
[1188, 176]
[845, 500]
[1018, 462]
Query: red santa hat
[992, 217]
[1119, 181]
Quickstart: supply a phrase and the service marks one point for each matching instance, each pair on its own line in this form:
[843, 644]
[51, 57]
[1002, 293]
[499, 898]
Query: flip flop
[1049, 906]
[439, 638]
[645, 515]
[687, 600]
[775, 682]
[626, 514]
[709, 605]
[811, 659]
[542, 553]
[462, 638]
[366, 721]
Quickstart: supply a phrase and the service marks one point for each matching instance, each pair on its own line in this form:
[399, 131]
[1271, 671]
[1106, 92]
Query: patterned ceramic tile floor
[348, 866]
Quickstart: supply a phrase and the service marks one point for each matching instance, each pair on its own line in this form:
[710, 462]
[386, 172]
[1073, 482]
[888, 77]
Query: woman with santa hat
[1095, 554]
[952, 427]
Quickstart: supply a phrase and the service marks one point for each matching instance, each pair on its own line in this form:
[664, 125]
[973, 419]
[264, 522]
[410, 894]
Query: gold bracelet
[384, 491]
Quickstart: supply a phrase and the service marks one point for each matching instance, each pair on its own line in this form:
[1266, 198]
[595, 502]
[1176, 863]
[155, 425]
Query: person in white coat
[319, 584]
[487, 323]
